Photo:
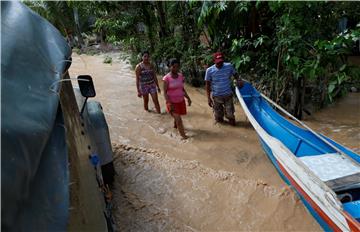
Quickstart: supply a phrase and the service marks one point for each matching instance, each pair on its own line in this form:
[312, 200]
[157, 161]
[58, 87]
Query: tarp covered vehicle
[47, 180]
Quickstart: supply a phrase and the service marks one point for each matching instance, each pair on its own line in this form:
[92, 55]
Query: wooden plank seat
[346, 182]
[336, 170]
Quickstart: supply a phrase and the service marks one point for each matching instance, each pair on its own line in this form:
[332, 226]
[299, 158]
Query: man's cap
[218, 57]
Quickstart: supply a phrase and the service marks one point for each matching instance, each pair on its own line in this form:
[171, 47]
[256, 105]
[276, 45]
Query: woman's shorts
[146, 89]
[179, 108]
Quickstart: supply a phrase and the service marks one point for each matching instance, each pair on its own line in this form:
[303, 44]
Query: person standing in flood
[174, 93]
[219, 88]
[146, 82]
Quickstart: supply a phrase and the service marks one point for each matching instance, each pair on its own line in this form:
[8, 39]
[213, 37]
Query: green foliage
[302, 43]
[276, 44]
[57, 12]
[76, 50]
[107, 60]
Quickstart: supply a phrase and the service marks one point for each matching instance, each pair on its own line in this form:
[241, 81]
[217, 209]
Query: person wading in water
[219, 88]
[174, 93]
[146, 82]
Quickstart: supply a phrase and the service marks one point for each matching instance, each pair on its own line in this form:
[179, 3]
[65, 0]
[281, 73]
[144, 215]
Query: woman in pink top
[174, 93]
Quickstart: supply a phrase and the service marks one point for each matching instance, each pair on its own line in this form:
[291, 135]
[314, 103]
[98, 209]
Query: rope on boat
[52, 88]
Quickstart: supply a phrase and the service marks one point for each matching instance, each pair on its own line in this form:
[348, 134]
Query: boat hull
[291, 149]
[286, 179]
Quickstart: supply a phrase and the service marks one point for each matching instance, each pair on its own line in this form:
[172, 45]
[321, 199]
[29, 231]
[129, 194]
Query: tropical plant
[293, 51]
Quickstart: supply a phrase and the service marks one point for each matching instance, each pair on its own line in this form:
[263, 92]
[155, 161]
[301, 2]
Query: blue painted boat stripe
[295, 135]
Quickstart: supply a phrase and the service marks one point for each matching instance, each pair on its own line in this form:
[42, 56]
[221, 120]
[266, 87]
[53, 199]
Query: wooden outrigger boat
[325, 174]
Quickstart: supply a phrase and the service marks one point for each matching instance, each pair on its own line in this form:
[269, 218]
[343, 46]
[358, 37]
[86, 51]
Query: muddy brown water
[219, 179]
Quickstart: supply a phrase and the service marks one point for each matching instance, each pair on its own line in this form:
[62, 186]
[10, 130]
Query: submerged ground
[219, 179]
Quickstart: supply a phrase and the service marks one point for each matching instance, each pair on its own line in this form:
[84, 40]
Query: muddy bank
[154, 192]
[219, 179]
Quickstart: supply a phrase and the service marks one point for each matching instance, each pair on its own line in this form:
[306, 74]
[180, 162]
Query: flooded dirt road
[340, 121]
[219, 179]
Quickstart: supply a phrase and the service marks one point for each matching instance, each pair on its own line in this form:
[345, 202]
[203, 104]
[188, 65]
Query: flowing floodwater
[218, 179]
[340, 121]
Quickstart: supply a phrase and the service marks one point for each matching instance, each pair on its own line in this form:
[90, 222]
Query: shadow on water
[203, 134]
[239, 124]
[244, 124]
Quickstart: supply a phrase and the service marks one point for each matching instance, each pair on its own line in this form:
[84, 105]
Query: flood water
[218, 179]
[340, 121]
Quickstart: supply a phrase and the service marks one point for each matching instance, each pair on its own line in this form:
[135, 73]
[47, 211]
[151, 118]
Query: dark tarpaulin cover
[34, 163]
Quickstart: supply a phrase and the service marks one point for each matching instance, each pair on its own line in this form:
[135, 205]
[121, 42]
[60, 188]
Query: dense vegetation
[296, 52]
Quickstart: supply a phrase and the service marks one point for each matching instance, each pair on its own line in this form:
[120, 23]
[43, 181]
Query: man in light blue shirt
[219, 88]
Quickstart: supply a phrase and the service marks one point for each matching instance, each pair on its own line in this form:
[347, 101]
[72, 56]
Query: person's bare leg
[180, 125]
[154, 97]
[146, 102]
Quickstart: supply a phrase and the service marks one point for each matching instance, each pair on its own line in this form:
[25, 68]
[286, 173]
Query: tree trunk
[161, 18]
[302, 97]
[102, 36]
[299, 97]
[274, 85]
[324, 87]
[77, 28]
[254, 24]
[148, 23]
